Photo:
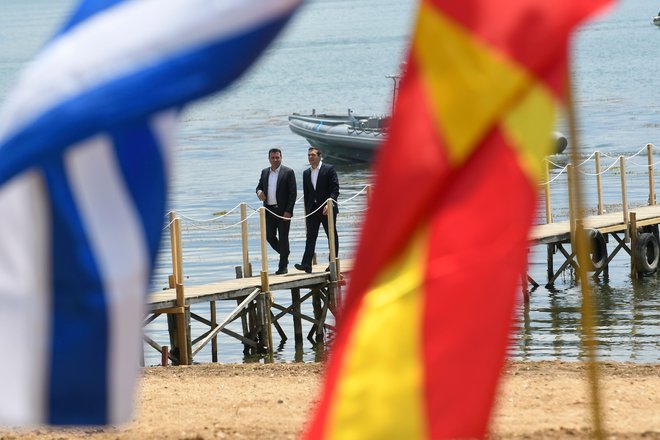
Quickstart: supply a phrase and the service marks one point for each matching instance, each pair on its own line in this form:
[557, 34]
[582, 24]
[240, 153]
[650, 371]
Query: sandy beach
[255, 401]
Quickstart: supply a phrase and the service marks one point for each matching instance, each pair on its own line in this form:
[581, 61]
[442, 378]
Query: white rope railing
[602, 172]
[615, 161]
[210, 220]
[197, 224]
[354, 196]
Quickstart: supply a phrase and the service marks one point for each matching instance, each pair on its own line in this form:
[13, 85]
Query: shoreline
[538, 399]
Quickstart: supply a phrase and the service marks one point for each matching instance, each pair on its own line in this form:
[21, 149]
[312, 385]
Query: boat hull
[340, 139]
[344, 139]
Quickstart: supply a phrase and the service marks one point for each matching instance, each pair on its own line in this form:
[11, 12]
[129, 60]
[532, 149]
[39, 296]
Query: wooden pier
[633, 230]
[257, 307]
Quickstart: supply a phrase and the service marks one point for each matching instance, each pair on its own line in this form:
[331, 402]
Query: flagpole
[582, 252]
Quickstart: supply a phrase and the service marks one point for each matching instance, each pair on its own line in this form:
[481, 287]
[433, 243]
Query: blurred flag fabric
[85, 145]
[429, 309]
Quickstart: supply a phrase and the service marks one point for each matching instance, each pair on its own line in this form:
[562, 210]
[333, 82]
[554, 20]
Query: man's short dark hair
[318, 151]
[274, 150]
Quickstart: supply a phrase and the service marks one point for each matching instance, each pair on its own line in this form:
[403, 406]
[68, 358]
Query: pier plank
[611, 222]
[241, 287]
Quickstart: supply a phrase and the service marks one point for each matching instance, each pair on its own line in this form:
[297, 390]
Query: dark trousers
[277, 234]
[313, 222]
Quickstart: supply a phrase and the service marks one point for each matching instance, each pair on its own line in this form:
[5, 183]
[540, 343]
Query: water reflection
[627, 317]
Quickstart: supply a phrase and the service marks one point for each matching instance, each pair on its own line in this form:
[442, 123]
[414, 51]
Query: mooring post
[633, 245]
[599, 188]
[164, 356]
[649, 154]
[265, 286]
[624, 198]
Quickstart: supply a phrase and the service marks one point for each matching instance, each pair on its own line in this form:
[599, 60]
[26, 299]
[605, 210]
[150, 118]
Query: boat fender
[598, 249]
[647, 253]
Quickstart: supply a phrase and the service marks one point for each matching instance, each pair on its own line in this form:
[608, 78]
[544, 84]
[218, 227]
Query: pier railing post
[173, 249]
[624, 198]
[649, 154]
[183, 320]
[247, 267]
[571, 204]
[548, 209]
[265, 296]
[599, 188]
[334, 275]
[176, 321]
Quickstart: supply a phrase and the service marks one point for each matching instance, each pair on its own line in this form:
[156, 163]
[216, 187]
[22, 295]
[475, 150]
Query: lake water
[335, 55]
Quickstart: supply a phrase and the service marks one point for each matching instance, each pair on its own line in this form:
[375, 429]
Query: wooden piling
[633, 245]
[185, 346]
[599, 188]
[214, 324]
[265, 287]
[244, 316]
[176, 318]
[551, 264]
[297, 322]
[318, 315]
[649, 155]
[624, 198]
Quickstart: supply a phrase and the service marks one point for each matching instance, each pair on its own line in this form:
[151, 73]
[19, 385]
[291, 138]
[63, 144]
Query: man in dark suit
[320, 183]
[277, 189]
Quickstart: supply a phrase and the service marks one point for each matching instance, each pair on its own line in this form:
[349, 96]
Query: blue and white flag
[85, 145]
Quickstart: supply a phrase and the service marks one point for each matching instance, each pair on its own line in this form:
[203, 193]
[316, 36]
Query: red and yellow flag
[430, 306]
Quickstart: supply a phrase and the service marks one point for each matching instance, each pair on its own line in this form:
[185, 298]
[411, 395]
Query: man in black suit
[277, 189]
[320, 183]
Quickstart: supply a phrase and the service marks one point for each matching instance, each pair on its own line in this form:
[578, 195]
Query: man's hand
[261, 196]
[325, 209]
[286, 215]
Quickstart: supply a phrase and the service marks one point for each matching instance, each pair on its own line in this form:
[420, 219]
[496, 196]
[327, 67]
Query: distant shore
[256, 401]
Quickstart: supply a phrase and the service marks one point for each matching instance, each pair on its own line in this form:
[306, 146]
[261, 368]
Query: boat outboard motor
[560, 142]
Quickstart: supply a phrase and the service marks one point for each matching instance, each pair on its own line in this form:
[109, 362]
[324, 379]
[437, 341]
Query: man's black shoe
[327, 269]
[307, 269]
[281, 271]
